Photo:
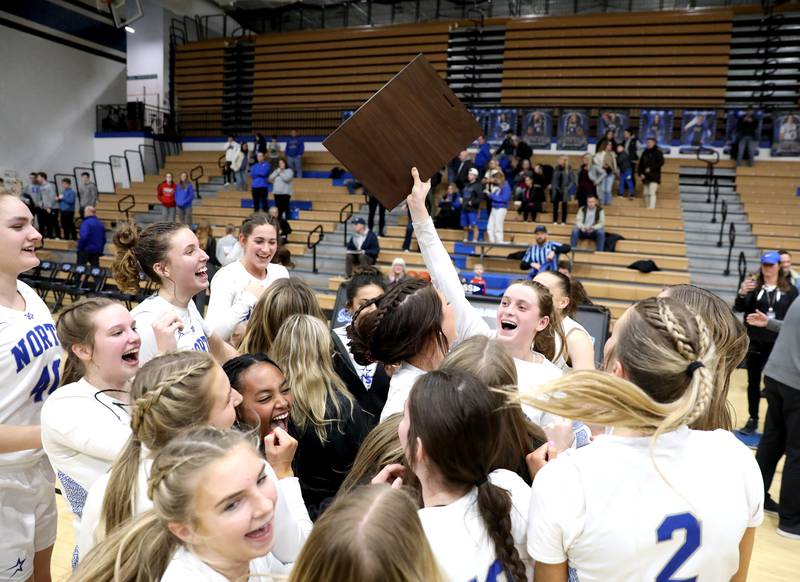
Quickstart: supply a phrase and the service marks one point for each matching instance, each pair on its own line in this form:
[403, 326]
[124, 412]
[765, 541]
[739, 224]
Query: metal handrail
[731, 241]
[196, 179]
[313, 246]
[724, 213]
[127, 167]
[221, 162]
[141, 160]
[742, 266]
[126, 209]
[716, 197]
[343, 219]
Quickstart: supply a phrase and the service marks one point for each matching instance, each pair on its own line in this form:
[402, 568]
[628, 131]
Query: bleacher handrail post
[724, 213]
[731, 242]
[344, 219]
[313, 246]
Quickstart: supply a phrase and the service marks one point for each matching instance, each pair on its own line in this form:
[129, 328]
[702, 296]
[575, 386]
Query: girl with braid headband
[174, 391]
[654, 498]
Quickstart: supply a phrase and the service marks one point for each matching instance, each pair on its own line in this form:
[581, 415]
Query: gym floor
[775, 559]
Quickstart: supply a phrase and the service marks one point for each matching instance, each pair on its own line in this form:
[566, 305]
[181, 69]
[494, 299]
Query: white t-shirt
[230, 304]
[30, 361]
[195, 332]
[399, 388]
[225, 245]
[458, 536]
[292, 524]
[606, 510]
[83, 432]
[185, 566]
[569, 325]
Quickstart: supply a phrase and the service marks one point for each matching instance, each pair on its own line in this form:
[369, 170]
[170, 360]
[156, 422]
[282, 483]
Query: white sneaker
[227, 184]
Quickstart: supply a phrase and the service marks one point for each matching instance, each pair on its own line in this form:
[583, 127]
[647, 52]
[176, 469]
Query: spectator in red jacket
[166, 195]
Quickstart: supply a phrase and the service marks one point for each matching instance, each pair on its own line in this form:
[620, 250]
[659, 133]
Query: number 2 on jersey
[672, 523]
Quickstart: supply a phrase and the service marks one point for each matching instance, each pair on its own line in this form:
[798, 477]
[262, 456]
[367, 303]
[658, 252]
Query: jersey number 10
[672, 523]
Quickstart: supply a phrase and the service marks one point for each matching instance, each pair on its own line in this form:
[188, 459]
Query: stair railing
[345, 219]
[710, 179]
[138, 154]
[742, 265]
[716, 197]
[194, 176]
[731, 242]
[724, 213]
[144, 147]
[125, 204]
[313, 245]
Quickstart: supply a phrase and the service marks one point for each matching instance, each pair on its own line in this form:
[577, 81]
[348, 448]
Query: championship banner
[656, 124]
[483, 117]
[698, 127]
[573, 130]
[501, 121]
[732, 121]
[785, 134]
[612, 120]
[537, 128]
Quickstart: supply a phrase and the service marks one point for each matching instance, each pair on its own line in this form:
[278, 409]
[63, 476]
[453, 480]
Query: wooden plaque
[414, 120]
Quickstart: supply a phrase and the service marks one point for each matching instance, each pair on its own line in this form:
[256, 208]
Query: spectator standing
[166, 195]
[499, 196]
[31, 198]
[633, 148]
[607, 161]
[542, 256]
[232, 149]
[91, 239]
[483, 156]
[284, 228]
[87, 193]
[508, 147]
[449, 215]
[786, 267]
[375, 204]
[770, 293]
[563, 182]
[281, 180]
[585, 185]
[397, 273]
[273, 152]
[526, 199]
[470, 205]
[782, 425]
[523, 150]
[590, 224]
[523, 169]
[52, 209]
[261, 144]
[541, 182]
[66, 207]
[225, 246]
[462, 170]
[259, 184]
[746, 138]
[184, 197]
[363, 247]
[650, 171]
[295, 148]
[608, 138]
[625, 173]
[240, 165]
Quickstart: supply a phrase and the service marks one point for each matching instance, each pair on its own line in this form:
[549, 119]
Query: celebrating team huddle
[415, 444]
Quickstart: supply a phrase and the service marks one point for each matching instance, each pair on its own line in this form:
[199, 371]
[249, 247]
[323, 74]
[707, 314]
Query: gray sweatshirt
[48, 194]
[784, 363]
[88, 194]
[282, 181]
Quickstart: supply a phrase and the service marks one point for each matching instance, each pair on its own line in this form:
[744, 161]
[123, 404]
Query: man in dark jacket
[362, 248]
[462, 170]
[91, 239]
[650, 171]
[632, 145]
[746, 138]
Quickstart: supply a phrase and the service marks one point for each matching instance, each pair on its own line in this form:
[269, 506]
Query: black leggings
[229, 173]
[282, 202]
[559, 200]
[260, 196]
[757, 357]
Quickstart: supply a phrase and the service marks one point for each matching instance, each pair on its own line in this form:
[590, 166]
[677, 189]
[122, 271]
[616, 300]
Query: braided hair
[396, 326]
[170, 392]
[446, 410]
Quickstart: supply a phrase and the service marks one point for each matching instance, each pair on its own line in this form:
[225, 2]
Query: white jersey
[292, 524]
[458, 537]
[83, 432]
[230, 304]
[569, 326]
[194, 335]
[184, 566]
[399, 388]
[30, 361]
[607, 511]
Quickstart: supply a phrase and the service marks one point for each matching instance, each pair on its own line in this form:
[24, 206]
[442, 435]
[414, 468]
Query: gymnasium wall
[48, 94]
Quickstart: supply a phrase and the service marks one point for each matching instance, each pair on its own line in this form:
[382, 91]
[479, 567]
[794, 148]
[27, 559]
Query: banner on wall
[786, 134]
[573, 130]
[501, 121]
[656, 124]
[483, 117]
[537, 128]
[732, 121]
[612, 120]
[698, 127]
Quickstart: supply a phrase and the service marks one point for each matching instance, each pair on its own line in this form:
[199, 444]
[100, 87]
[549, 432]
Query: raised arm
[443, 274]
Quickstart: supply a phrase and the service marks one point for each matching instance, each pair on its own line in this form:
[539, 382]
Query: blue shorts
[469, 218]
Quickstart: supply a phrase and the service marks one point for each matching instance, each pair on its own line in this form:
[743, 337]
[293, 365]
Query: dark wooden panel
[619, 41]
[516, 35]
[631, 81]
[588, 62]
[716, 49]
